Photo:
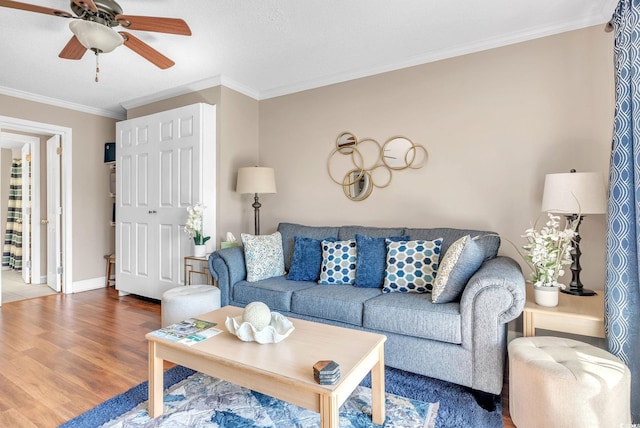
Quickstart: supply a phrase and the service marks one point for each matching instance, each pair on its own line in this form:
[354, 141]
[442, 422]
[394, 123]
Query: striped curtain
[622, 289]
[12, 251]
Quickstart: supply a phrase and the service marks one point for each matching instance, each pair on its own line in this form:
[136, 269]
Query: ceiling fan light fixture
[94, 36]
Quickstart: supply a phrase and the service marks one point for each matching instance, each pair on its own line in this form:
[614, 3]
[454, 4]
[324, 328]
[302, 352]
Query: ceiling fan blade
[158, 25]
[146, 51]
[34, 8]
[73, 49]
[86, 5]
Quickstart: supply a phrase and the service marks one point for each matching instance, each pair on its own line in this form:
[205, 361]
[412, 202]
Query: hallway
[14, 289]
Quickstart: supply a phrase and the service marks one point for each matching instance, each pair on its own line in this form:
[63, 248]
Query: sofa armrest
[227, 267]
[494, 295]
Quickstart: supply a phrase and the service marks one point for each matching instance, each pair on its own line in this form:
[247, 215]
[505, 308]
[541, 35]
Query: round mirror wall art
[372, 164]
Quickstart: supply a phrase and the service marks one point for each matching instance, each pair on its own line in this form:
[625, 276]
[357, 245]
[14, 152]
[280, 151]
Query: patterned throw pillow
[460, 262]
[263, 256]
[338, 262]
[411, 266]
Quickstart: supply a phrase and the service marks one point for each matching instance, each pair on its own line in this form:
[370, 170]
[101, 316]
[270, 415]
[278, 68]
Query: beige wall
[494, 124]
[237, 145]
[91, 210]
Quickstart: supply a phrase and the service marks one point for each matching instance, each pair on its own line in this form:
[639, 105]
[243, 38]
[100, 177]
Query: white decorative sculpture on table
[259, 324]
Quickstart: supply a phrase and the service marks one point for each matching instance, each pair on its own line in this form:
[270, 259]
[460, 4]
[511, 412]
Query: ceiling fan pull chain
[97, 66]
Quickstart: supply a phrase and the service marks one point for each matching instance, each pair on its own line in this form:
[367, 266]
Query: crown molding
[435, 55]
[119, 115]
[189, 88]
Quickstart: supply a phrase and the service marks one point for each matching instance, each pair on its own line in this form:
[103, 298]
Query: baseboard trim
[87, 285]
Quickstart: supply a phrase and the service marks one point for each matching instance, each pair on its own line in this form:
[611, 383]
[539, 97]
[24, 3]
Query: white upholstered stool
[189, 301]
[556, 382]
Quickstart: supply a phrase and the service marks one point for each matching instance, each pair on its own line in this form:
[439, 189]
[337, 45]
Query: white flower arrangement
[193, 228]
[548, 250]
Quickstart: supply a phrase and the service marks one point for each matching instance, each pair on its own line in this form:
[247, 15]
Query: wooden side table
[202, 268]
[582, 315]
[111, 262]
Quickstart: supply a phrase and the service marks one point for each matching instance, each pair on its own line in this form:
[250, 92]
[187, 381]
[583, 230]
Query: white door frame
[9, 140]
[28, 227]
[54, 225]
[39, 128]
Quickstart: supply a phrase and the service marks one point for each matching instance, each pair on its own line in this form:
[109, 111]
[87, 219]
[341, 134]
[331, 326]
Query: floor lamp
[575, 194]
[256, 180]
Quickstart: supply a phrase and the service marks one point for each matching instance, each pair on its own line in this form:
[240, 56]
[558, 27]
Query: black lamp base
[575, 286]
[579, 291]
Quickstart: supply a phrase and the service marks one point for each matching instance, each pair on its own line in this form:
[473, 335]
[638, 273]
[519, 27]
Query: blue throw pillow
[460, 262]
[306, 260]
[372, 260]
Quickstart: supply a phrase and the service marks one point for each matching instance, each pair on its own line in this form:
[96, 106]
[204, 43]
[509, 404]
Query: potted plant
[547, 251]
[194, 229]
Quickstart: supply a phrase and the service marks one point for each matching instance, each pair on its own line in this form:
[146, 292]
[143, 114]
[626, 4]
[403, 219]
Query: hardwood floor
[61, 355]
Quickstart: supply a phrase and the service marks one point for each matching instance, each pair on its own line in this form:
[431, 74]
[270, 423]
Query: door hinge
[28, 264]
[28, 157]
[59, 150]
[59, 270]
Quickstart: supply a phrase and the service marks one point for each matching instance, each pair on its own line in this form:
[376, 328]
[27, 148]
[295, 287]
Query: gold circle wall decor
[370, 161]
[357, 185]
[395, 153]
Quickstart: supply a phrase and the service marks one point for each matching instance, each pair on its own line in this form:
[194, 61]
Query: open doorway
[59, 244]
[23, 210]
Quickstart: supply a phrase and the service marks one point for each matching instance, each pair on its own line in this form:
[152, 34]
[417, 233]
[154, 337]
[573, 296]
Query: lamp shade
[255, 179]
[95, 36]
[574, 193]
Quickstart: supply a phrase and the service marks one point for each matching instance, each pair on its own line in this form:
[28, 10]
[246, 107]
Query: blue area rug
[456, 406]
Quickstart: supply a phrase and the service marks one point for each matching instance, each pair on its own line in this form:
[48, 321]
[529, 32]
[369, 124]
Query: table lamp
[255, 179]
[575, 194]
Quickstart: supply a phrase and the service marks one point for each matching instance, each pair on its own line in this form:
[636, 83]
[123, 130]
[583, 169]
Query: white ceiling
[267, 48]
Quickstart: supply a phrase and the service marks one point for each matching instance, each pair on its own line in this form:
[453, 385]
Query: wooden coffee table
[282, 370]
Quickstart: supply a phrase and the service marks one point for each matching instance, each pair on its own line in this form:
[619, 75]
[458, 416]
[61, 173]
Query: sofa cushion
[411, 265]
[274, 292]
[263, 256]
[338, 262]
[488, 241]
[413, 314]
[333, 302]
[290, 230]
[306, 261]
[462, 260]
[349, 232]
[372, 260]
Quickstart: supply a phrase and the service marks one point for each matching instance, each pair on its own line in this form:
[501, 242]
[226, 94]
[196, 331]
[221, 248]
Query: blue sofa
[463, 341]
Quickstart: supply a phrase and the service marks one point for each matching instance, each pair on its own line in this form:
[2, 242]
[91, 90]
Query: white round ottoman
[556, 382]
[189, 301]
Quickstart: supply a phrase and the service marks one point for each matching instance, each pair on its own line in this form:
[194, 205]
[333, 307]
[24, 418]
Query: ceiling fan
[93, 24]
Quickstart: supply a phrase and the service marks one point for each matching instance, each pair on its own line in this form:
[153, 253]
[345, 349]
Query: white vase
[200, 251]
[546, 296]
